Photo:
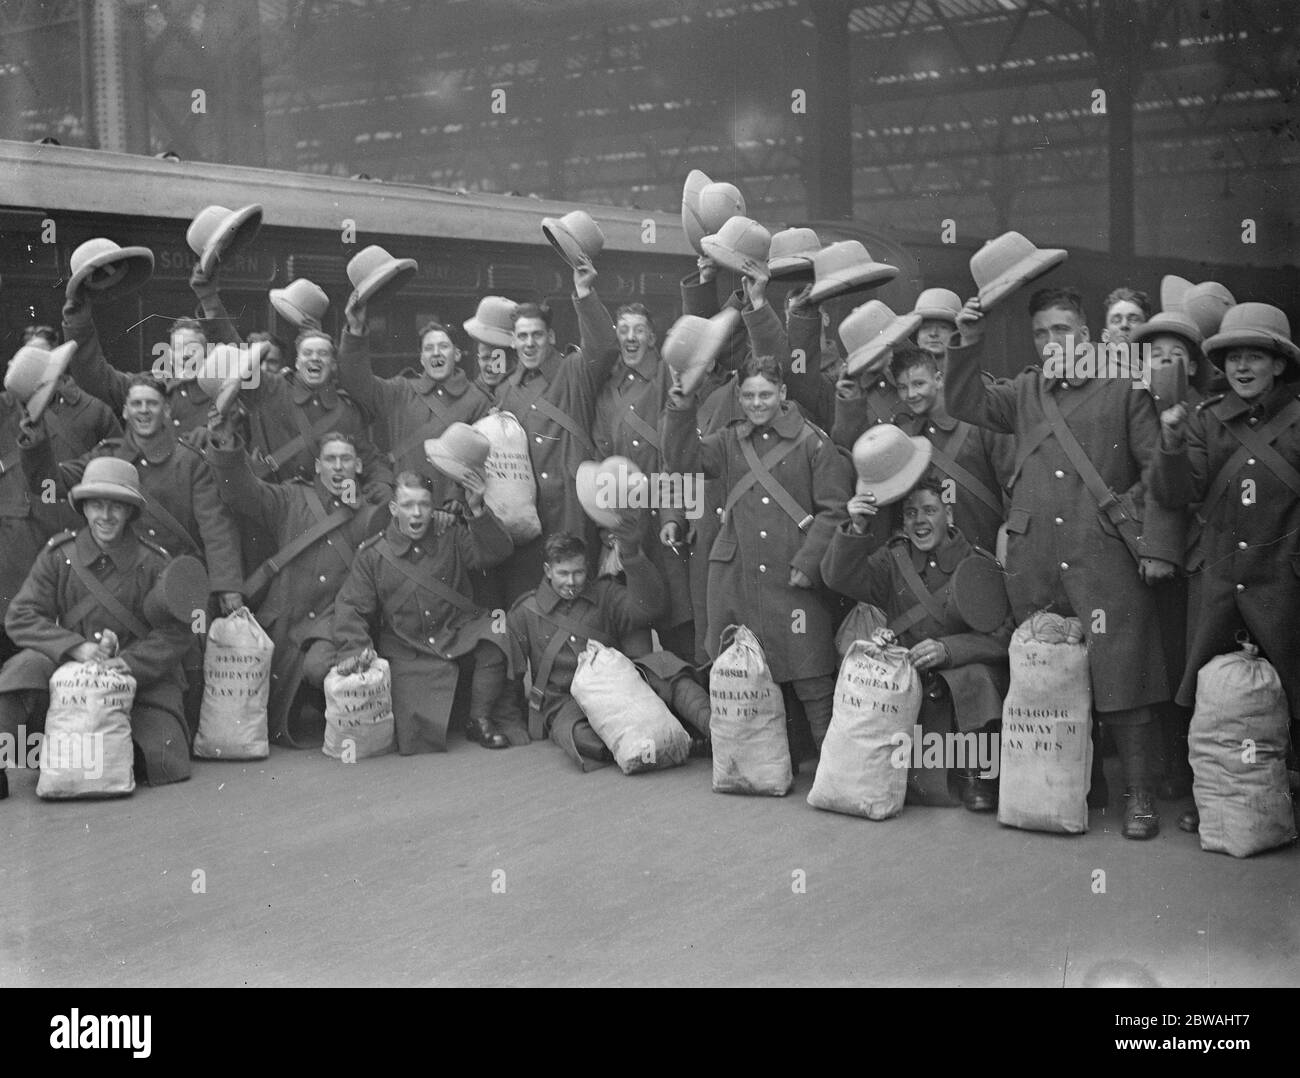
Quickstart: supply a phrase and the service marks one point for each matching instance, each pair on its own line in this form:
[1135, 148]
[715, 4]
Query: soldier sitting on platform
[551, 627]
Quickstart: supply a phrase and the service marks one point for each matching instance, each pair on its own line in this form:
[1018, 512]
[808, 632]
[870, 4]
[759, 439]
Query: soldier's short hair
[307, 334]
[149, 381]
[334, 436]
[931, 481]
[412, 481]
[907, 356]
[1130, 295]
[1067, 298]
[534, 310]
[636, 308]
[432, 325]
[768, 367]
[563, 547]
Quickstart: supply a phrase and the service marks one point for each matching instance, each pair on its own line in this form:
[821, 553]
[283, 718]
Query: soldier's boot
[162, 751]
[1136, 743]
[486, 685]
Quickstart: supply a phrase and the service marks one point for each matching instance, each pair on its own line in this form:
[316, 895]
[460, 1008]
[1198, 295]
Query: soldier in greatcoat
[411, 410]
[410, 599]
[1236, 458]
[553, 395]
[318, 527]
[964, 671]
[1066, 551]
[787, 486]
[84, 584]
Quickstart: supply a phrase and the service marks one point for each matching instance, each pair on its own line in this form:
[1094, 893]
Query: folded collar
[548, 600]
[328, 394]
[159, 449]
[454, 386]
[122, 554]
[787, 424]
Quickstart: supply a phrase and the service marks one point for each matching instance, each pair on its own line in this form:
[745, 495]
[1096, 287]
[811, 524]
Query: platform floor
[382, 873]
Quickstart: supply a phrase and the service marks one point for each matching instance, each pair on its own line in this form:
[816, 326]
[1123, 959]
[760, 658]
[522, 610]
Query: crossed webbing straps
[1258, 444]
[566, 627]
[415, 581]
[101, 596]
[760, 471]
[306, 436]
[928, 603]
[946, 461]
[325, 523]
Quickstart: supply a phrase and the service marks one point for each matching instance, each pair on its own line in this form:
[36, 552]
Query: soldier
[289, 413]
[319, 526]
[1126, 310]
[787, 486]
[974, 462]
[552, 624]
[1077, 541]
[492, 329]
[412, 583]
[553, 395]
[908, 579]
[83, 585]
[1238, 456]
[411, 410]
[627, 424]
[183, 512]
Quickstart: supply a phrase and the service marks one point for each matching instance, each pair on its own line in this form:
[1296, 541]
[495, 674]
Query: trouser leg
[1136, 733]
[488, 681]
[573, 733]
[817, 694]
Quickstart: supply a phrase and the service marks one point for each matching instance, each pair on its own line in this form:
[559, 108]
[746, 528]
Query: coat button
[573, 638]
[152, 532]
[1060, 520]
[1065, 565]
[635, 442]
[766, 500]
[762, 535]
[544, 476]
[1241, 545]
[322, 579]
[718, 510]
[1059, 474]
[1241, 587]
[538, 439]
[312, 614]
[932, 563]
[430, 640]
[762, 568]
[1253, 420]
[1251, 460]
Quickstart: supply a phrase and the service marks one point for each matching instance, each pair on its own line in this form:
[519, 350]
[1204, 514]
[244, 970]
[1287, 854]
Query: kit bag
[359, 713]
[1237, 748]
[861, 623]
[865, 757]
[236, 684]
[626, 713]
[1046, 762]
[86, 750]
[511, 488]
[751, 753]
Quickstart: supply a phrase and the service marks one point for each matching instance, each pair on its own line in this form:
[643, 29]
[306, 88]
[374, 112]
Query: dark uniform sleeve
[969, 397]
[857, 566]
[243, 492]
[832, 488]
[356, 606]
[218, 325]
[32, 618]
[973, 647]
[485, 542]
[356, 375]
[89, 368]
[217, 527]
[1180, 477]
[1164, 530]
[157, 657]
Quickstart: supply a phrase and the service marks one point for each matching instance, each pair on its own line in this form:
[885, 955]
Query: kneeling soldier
[911, 579]
[84, 585]
[412, 583]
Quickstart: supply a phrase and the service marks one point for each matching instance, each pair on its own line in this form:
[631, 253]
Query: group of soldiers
[870, 473]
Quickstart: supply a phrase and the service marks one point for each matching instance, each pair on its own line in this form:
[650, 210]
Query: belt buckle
[535, 698]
